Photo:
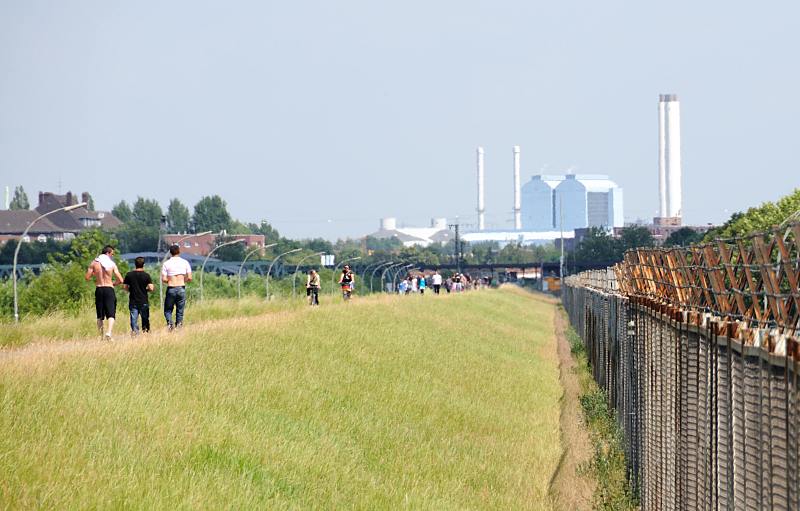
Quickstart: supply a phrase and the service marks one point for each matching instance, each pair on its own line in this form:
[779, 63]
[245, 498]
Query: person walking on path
[138, 283]
[175, 273]
[104, 270]
[312, 287]
[436, 280]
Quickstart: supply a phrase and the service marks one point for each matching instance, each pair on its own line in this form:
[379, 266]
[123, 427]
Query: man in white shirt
[175, 273]
[436, 280]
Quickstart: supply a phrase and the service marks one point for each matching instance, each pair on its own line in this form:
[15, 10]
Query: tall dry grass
[402, 402]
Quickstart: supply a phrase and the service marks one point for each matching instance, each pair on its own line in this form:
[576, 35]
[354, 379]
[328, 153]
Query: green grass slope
[447, 402]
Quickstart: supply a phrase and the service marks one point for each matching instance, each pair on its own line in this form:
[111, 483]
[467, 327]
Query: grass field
[447, 402]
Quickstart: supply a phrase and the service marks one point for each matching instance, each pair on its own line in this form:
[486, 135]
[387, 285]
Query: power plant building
[588, 201]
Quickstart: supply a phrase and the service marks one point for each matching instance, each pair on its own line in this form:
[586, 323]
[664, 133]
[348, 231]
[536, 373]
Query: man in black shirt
[138, 283]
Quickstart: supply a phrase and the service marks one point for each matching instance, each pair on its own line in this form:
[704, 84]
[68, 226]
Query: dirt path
[573, 492]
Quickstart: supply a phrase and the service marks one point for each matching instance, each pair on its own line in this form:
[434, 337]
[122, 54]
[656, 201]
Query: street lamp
[383, 273]
[273, 262]
[333, 277]
[372, 276]
[239, 279]
[203, 268]
[366, 272]
[164, 259]
[19, 244]
[297, 268]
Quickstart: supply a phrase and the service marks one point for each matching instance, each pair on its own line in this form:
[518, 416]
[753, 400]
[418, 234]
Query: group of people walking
[418, 283]
[176, 272]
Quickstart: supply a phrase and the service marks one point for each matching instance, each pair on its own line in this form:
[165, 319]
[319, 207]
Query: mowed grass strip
[447, 402]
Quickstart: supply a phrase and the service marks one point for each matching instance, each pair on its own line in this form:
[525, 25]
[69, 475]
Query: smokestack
[517, 208]
[481, 204]
[669, 156]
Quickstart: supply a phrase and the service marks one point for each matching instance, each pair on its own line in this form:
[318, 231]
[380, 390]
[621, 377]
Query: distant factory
[549, 207]
[569, 202]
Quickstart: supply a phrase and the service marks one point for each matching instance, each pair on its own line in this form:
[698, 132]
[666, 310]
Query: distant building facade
[573, 201]
[411, 236]
[202, 245]
[60, 226]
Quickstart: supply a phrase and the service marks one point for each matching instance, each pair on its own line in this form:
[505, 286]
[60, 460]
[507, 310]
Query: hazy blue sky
[323, 116]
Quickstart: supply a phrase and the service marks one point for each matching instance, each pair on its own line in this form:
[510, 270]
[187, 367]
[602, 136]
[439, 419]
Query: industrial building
[410, 236]
[581, 201]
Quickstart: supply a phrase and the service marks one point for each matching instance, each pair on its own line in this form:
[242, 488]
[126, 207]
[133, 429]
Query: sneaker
[107, 336]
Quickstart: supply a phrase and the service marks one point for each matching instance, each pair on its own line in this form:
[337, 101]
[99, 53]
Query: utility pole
[561, 227]
[457, 248]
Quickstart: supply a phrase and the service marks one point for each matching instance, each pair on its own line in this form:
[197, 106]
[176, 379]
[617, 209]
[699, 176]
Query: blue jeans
[176, 297]
[137, 310]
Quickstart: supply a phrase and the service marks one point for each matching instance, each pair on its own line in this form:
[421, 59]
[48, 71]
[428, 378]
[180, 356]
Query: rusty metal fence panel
[697, 351]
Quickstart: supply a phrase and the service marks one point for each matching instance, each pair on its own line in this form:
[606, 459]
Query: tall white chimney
[669, 156]
[481, 204]
[517, 208]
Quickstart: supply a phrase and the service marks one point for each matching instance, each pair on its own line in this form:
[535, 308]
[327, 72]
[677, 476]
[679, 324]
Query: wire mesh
[697, 351]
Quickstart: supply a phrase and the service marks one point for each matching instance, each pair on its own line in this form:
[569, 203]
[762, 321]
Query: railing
[697, 351]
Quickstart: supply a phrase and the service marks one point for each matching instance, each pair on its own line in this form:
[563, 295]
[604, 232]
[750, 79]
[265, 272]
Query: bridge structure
[502, 270]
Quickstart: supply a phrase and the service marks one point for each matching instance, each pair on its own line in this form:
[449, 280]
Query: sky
[324, 116]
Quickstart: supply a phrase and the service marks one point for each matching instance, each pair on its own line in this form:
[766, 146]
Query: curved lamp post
[364, 280]
[388, 268]
[246, 257]
[335, 268]
[161, 284]
[19, 244]
[366, 272]
[372, 276]
[394, 280]
[273, 262]
[297, 268]
[203, 268]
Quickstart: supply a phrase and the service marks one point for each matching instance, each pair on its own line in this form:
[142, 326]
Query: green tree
[20, 199]
[683, 237]
[177, 216]
[237, 227]
[137, 237]
[32, 253]
[122, 211]
[597, 248]
[89, 202]
[86, 246]
[147, 212]
[234, 252]
[211, 214]
[758, 219]
[515, 253]
[385, 244]
[270, 233]
[635, 237]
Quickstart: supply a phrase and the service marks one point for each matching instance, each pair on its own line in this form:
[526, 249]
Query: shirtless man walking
[175, 273]
[104, 271]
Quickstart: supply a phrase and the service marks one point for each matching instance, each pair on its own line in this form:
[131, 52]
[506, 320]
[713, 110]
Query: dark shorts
[105, 301]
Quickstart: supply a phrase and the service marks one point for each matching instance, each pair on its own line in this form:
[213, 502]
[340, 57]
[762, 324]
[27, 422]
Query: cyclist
[347, 280]
[312, 287]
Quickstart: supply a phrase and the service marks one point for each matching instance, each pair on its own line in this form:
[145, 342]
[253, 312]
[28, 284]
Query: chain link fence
[698, 357]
